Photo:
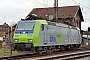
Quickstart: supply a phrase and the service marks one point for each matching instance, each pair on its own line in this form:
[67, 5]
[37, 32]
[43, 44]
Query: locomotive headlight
[16, 40]
[29, 40]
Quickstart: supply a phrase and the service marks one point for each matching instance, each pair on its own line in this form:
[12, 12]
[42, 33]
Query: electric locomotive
[42, 35]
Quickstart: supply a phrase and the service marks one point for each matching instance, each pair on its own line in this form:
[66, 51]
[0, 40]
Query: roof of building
[63, 12]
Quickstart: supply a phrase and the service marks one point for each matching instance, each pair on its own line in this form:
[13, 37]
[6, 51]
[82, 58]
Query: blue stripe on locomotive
[26, 31]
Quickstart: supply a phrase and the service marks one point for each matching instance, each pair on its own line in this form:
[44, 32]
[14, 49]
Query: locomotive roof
[32, 21]
[52, 23]
[61, 25]
[27, 21]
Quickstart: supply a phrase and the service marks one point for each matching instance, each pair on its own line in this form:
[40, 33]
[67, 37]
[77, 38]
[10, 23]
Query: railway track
[70, 54]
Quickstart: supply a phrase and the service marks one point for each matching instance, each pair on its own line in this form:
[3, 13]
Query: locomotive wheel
[53, 49]
[59, 47]
[62, 48]
[49, 50]
[78, 46]
[67, 47]
[38, 51]
[45, 49]
[73, 47]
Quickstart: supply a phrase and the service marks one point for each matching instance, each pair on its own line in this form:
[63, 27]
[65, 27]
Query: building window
[50, 17]
[3, 32]
[75, 20]
[0, 28]
[6, 28]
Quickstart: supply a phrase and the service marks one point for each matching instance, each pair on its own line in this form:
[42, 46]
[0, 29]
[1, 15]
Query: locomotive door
[45, 41]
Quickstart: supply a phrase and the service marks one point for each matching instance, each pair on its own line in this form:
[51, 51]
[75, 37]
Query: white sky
[13, 10]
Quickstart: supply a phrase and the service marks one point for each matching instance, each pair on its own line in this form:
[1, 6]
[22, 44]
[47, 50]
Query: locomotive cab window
[42, 27]
[25, 25]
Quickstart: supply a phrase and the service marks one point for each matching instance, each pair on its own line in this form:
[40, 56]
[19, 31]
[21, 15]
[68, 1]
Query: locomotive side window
[33, 26]
[42, 27]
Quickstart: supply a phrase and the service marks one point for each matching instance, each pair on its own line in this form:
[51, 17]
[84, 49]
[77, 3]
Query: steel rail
[66, 56]
[62, 55]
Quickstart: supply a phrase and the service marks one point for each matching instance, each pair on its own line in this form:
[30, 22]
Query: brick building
[4, 32]
[71, 15]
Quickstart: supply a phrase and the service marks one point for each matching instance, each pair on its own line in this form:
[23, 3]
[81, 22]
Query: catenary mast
[56, 10]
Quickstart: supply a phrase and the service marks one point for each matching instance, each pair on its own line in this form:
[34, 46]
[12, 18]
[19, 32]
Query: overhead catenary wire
[40, 3]
[37, 2]
[82, 8]
[45, 2]
[80, 4]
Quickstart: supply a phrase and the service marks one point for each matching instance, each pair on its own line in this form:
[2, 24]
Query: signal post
[11, 40]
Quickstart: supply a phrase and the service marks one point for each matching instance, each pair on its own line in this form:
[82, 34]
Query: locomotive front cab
[23, 35]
